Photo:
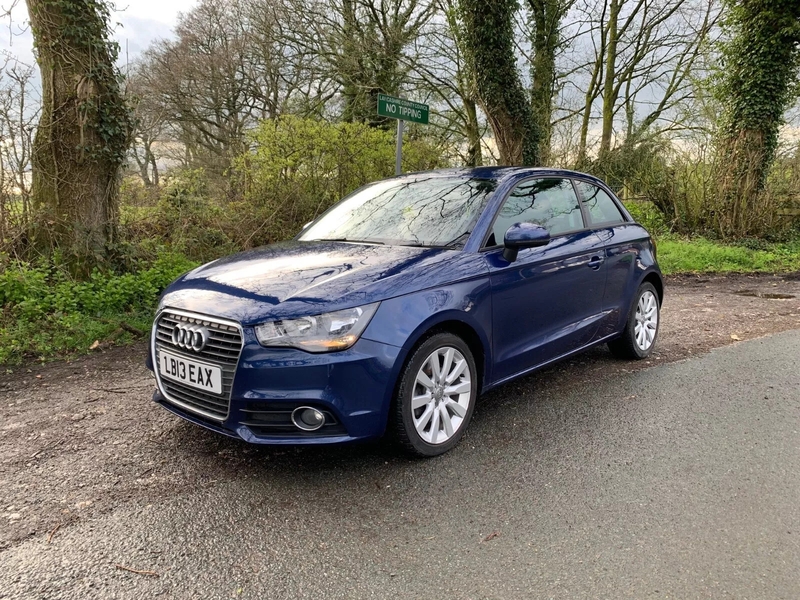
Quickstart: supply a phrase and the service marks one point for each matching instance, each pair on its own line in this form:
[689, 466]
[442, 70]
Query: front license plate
[196, 374]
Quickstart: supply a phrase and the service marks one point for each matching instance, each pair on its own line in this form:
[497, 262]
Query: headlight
[321, 333]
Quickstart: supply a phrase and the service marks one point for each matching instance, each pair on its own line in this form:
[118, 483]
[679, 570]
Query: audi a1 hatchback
[401, 304]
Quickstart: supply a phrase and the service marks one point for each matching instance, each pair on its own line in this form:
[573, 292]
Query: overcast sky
[140, 22]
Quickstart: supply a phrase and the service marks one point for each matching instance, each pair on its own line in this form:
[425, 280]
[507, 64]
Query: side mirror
[523, 235]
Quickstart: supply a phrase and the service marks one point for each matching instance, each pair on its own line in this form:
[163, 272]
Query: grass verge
[44, 314]
[699, 255]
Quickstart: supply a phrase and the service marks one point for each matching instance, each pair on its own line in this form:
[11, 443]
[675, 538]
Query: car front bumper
[353, 388]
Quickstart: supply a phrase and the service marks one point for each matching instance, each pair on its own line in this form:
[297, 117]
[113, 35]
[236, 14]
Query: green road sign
[405, 110]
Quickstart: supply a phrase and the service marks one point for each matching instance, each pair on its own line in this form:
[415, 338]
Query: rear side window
[601, 208]
[551, 203]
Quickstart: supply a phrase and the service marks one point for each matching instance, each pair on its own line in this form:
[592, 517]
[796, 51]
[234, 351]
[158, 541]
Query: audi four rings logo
[190, 337]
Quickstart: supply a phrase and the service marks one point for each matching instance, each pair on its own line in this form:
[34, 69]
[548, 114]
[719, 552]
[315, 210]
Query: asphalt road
[679, 481]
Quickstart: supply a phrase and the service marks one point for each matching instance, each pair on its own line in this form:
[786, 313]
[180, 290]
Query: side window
[599, 205]
[551, 203]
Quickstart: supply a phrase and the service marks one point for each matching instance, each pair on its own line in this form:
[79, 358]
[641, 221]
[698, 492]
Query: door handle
[596, 262]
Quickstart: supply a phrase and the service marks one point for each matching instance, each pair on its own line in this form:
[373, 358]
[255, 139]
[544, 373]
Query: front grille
[222, 349]
[265, 419]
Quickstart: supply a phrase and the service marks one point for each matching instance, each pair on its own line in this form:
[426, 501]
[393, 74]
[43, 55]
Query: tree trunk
[489, 45]
[351, 67]
[473, 131]
[546, 16]
[592, 92]
[609, 95]
[144, 162]
[83, 132]
[761, 66]
[154, 167]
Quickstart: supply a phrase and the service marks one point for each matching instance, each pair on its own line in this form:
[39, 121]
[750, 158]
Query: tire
[428, 421]
[646, 309]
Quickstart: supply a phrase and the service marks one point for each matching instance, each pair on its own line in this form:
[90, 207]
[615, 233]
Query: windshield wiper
[421, 245]
[365, 241]
[450, 244]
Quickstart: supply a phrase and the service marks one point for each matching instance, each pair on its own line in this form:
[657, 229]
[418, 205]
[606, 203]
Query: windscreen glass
[416, 211]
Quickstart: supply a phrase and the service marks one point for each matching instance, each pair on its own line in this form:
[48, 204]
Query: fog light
[307, 418]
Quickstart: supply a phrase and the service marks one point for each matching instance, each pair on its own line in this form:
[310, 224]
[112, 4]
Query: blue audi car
[397, 307]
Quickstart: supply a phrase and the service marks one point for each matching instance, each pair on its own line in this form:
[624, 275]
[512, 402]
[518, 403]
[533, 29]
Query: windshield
[424, 210]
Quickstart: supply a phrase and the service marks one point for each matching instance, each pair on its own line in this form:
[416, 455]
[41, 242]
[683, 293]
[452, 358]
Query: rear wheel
[641, 330]
[436, 396]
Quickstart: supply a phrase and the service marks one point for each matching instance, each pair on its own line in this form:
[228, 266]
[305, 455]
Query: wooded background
[258, 114]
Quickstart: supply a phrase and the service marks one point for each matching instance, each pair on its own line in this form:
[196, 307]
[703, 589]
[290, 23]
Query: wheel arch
[447, 324]
[471, 338]
[454, 323]
[657, 282]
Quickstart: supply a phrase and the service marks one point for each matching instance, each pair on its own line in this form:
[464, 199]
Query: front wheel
[641, 330]
[436, 396]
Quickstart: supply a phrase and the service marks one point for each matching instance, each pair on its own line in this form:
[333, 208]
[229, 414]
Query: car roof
[500, 173]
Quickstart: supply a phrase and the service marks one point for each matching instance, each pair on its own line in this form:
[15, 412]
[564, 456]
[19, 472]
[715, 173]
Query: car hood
[301, 278]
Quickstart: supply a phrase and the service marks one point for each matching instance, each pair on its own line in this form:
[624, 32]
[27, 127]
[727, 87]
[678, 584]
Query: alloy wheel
[441, 396]
[646, 320]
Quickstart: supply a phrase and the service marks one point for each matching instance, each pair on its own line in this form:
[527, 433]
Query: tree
[230, 66]
[545, 17]
[760, 68]
[362, 47]
[641, 67]
[374, 36]
[204, 82]
[19, 111]
[82, 137]
[441, 76]
[150, 123]
[489, 44]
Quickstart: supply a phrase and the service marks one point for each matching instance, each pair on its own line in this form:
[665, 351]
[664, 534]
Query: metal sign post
[398, 155]
[402, 110]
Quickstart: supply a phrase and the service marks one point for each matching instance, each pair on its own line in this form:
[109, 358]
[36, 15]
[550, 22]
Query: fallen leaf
[735, 337]
[491, 536]
[137, 571]
[52, 533]
[95, 346]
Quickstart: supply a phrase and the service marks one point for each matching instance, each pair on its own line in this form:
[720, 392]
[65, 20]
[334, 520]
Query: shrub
[185, 218]
[297, 168]
[683, 185]
[641, 172]
[45, 311]
[649, 216]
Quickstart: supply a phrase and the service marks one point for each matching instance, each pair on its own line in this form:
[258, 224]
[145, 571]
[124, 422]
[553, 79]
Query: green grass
[45, 314]
[699, 255]
[59, 336]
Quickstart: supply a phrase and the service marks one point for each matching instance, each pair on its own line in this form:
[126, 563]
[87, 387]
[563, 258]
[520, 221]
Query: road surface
[678, 481]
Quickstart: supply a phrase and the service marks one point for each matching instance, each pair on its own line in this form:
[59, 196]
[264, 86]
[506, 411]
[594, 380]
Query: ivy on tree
[83, 131]
[489, 45]
[760, 69]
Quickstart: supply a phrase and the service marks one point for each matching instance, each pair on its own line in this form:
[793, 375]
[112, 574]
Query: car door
[620, 239]
[548, 302]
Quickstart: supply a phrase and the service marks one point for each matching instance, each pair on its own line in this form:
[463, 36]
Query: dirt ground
[80, 438]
